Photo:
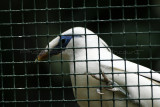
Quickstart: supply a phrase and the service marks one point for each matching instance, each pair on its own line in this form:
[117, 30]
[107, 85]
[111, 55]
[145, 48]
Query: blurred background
[26, 26]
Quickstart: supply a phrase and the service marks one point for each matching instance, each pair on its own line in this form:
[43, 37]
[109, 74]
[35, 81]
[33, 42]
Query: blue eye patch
[63, 42]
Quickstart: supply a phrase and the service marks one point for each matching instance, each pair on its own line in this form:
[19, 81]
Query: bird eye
[63, 41]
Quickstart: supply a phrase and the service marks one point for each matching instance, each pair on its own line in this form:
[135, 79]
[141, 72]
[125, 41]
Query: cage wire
[129, 27]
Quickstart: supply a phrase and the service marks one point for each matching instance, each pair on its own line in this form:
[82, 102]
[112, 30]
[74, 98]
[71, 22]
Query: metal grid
[26, 26]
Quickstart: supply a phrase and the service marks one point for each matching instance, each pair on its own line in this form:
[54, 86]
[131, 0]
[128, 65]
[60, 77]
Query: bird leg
[109, 84]
[99, 91]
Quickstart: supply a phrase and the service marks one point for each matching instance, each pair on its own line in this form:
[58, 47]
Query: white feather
[93, 58]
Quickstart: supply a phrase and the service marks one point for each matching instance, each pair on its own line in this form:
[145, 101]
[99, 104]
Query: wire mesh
[129, 27]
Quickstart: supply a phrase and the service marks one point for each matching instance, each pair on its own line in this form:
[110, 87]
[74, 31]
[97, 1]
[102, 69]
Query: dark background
[28, 25]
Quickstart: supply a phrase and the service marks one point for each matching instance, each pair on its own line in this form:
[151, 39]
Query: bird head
[67, 42]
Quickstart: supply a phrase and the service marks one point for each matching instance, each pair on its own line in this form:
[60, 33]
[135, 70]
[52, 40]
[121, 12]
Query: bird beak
[44, 54]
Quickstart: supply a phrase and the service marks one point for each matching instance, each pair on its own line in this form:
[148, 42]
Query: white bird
[100, 78]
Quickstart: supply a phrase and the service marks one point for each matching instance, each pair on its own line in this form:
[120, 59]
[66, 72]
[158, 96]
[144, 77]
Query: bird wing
[128, 66]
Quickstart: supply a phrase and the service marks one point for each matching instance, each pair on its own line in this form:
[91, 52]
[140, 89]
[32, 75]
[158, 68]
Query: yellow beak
[43, 55]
